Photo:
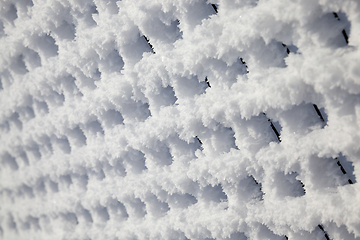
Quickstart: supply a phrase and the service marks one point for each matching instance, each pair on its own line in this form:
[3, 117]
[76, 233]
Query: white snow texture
[179, 119]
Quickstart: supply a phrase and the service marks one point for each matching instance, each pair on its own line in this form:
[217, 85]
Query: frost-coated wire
[184, 119]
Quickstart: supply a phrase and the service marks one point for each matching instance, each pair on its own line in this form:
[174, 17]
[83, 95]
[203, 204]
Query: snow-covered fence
[183, 119]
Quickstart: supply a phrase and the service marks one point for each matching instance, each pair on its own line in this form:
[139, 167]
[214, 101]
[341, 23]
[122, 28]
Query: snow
[186, 119]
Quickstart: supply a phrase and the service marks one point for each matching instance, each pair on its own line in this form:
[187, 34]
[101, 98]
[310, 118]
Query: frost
[186, 119]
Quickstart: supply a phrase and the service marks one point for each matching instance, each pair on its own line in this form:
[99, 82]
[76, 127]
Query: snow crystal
[192, 119]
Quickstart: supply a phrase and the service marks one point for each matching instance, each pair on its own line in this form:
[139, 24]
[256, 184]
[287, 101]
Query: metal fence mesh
[185, 119]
